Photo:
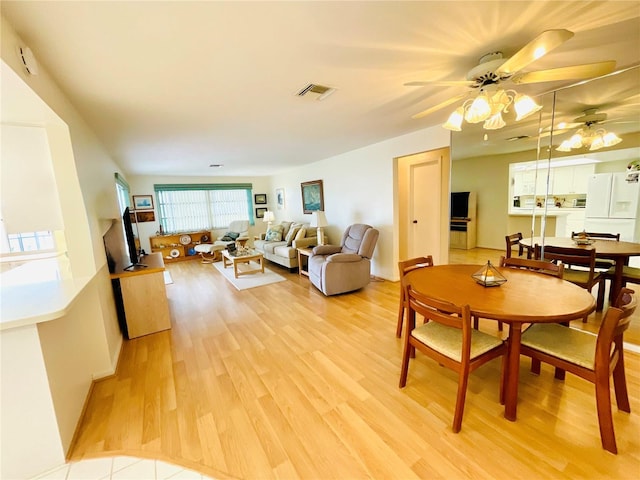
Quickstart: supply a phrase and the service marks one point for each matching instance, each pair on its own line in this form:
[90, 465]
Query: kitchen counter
[551, 211]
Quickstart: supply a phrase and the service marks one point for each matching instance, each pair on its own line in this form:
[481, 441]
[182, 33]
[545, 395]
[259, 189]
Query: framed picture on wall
[148, 216]
[312, 196]
[260, 211]
[280, 198]
[260, 198]
[143, 202]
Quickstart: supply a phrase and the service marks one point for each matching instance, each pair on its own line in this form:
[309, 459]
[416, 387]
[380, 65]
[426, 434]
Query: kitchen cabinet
[571, 180]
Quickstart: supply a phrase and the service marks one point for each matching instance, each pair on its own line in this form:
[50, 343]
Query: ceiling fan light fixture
[494, 122]
[454, 122]
[479, 110]
[524, 106]
[610, 139]
[564, 147]
[596, 143]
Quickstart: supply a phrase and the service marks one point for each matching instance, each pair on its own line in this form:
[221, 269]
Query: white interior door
[424, 210]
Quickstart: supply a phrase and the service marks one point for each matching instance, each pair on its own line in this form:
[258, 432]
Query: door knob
[415, 221]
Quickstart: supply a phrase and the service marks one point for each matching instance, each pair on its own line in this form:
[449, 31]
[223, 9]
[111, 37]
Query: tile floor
[121, 468]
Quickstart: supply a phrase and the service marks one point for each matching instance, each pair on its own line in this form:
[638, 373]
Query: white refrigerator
[612, 206]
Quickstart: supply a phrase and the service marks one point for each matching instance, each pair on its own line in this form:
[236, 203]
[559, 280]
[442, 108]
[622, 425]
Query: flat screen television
[460, 204]
[131, 240]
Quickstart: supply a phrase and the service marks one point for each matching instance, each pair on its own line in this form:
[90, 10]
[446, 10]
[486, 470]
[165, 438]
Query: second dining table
[618, 251]
[526, 297]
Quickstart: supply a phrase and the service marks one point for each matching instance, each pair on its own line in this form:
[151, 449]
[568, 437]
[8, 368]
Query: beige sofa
[280, 243]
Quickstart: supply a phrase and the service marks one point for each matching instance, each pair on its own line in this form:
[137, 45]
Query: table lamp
[269, 217]
[319, 220]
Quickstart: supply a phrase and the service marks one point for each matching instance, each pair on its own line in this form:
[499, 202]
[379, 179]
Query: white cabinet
[571, 180]
[574, 223]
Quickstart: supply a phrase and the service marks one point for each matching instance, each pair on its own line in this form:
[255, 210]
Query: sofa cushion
[274, 233]
[285, 228]
[269, 247]
[291, 235]
[302, 233]
[285, 251]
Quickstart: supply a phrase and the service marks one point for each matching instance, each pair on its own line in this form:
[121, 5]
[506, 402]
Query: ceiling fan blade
[590, 70]
[536, 48]
[442, 83]
[441, 105]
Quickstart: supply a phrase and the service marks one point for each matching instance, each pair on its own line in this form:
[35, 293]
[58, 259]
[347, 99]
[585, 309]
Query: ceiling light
[488, 107]
[593, 138]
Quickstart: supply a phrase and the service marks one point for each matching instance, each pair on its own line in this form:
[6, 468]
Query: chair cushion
[448, 340]
[274, 233]
[579, 276]
[575, 346]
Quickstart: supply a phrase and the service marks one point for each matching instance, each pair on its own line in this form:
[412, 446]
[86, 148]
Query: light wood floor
[282, 382]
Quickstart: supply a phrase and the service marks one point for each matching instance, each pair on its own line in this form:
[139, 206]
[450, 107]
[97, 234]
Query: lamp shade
[319, 219]
[268, 216]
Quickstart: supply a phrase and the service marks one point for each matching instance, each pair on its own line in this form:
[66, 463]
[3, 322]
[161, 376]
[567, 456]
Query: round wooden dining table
[619, 252]
[526, 297]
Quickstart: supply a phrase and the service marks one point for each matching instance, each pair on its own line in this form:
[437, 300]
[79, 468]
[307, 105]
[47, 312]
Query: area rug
[167, 278]
[244, 282]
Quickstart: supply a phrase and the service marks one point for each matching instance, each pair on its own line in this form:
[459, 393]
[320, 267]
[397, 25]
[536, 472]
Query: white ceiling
[172, 87]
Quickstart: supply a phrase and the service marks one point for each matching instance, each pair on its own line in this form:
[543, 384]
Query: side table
[303, 268]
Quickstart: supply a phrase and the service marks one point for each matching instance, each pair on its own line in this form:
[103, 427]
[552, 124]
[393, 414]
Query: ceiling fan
[493, 69]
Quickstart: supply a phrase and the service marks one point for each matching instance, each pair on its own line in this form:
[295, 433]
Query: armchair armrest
[326, 249]
[344, 258]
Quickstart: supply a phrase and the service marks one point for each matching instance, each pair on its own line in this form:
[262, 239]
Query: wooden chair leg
[559, 374]
[404, 369]
[499, 326]
[535, 366]
[620, 384]
[605, 418]
[476, 322]
[462, 393]
[400, 315]
[600, 301]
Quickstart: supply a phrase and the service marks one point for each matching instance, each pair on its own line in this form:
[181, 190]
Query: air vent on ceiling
[519, 137]
[323, 91]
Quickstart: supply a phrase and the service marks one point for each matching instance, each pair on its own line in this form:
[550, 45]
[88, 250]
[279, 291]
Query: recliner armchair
[239, 227]
[338, 269]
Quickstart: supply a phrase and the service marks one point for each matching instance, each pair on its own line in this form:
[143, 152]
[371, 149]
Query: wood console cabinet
[182, 243]
[141, 298]
[462, 227]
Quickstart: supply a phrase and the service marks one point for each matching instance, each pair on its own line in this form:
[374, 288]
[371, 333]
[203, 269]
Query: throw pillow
[291, 234]
[274, 234]
[302, 233]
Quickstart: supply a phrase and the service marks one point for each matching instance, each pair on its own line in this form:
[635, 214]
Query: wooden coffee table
[235, 260]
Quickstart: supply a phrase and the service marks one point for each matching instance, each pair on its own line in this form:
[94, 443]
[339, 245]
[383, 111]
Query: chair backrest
[610, 236]
[511, 240]
[239, 226]
[406, 266]
[539, 266]
[361, 239]
[442, 312]
[584, 257]
[612, 328]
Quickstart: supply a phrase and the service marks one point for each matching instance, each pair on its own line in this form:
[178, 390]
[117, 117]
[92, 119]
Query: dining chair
[514, 240]
[447, 338]
[602, 263]
[594, 358]
[585, 276]
[538, 266]
[406, 266]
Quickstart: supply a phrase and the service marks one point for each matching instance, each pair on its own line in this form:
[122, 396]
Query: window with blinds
[183, 208]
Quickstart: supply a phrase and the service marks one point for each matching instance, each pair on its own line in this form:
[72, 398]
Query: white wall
[82, 168]
[359, 187]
